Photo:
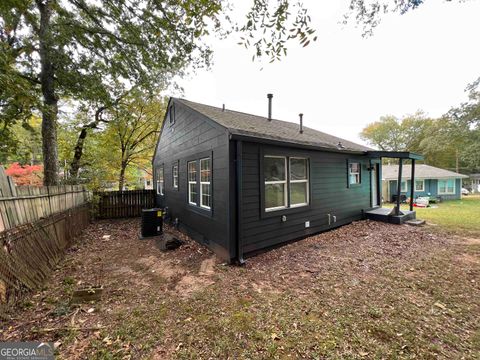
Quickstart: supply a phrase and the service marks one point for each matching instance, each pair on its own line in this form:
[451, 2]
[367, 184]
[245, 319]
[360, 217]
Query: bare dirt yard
[364, 291]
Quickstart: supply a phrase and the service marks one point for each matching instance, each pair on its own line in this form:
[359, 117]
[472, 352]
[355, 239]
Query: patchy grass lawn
[457, 216]
[364, 291]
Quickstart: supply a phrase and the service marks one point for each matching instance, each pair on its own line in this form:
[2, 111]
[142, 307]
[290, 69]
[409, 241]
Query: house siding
[329, 194]
[430, 189]
[191, 137]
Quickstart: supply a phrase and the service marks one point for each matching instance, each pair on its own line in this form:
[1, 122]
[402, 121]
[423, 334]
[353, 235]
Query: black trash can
[152, 222]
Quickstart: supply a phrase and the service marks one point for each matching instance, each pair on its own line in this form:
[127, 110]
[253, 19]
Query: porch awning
[395, 154]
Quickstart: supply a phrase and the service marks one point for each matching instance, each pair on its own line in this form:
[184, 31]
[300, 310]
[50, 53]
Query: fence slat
[24, 204]
[29, 252]
[120, 204]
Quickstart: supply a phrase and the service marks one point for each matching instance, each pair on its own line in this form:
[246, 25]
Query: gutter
[292, 144]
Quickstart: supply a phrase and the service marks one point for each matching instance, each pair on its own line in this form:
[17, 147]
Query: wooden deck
[383, 214]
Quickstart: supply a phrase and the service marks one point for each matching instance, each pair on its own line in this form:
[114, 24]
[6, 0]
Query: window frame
[161, 183]
[189, 182]
[171, 114]
[423, 185]
[349, 173]
[266, 151]
[404, 189]
[175, 176]
[209, 183]
[446, 187]
[275, 182]
[306, 181]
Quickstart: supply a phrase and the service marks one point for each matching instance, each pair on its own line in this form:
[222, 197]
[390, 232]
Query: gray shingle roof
[240, 123]
[422, 171]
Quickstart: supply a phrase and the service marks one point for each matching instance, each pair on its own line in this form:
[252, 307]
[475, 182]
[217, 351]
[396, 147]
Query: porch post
[412, 185]
[399, 186]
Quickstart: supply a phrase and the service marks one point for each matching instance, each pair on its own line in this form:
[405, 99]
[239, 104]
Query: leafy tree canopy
[451, 141]
[91, 50]
[368, 13]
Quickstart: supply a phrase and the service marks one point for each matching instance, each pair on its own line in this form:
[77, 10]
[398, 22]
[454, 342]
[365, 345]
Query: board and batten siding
[192, 137]
[329, 194]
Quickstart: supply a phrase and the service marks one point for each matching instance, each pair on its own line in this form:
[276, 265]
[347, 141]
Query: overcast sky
[421, 60]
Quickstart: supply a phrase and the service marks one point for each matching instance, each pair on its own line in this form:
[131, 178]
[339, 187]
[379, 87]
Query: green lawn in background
[461, 216]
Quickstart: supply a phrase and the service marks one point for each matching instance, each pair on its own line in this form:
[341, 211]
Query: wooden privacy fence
[120, 204]
[29, 252]
[24, 204]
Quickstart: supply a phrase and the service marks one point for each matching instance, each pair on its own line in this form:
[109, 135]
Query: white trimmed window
[160, 181]
[354, 173]
[280, 193]
[298, 182]
[403, 187]
[419, 185]
[175, 176]
[275, 175]
[205, 183]
[192, 182]
[446, 186]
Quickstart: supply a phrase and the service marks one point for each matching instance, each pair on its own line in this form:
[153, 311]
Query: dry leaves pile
[186, 303]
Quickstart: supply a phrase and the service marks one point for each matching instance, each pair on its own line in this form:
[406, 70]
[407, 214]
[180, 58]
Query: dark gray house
[239, 183]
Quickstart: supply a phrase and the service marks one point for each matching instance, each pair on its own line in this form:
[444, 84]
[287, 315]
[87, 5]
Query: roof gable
[260, 127]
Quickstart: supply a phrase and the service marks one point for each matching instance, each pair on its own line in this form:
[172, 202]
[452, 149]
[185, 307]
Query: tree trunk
[77, 156]
[121, 178]
[456, 160]
[50, 100]
[78, 153]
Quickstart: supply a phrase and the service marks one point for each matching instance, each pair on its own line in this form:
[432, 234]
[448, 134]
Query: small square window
[419, 185]
[354, 169]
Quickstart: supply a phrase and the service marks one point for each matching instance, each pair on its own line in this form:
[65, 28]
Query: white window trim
[161, 183]
[423, 185]
[350, 173]
[446, 187]
[205, 183]
[402, 188]
[191, 182]
[298, 181]
[175, 176]
[284, 182]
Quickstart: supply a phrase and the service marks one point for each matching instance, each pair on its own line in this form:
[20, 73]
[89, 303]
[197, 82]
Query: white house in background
[429, 181]
[474, 183]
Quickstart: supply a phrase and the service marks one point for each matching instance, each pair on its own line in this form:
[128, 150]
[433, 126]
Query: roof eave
[460, 176]
[396, 155]
[250, 138]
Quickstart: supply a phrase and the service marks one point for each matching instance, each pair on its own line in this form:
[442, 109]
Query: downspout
[238, 201]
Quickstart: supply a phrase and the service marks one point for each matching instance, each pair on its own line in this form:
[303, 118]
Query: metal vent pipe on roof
[269, 96]
[301, 123]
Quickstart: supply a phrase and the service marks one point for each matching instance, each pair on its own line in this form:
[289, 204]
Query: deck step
[415, 222]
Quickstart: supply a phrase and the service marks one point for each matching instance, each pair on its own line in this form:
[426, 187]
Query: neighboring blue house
[429, 181]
